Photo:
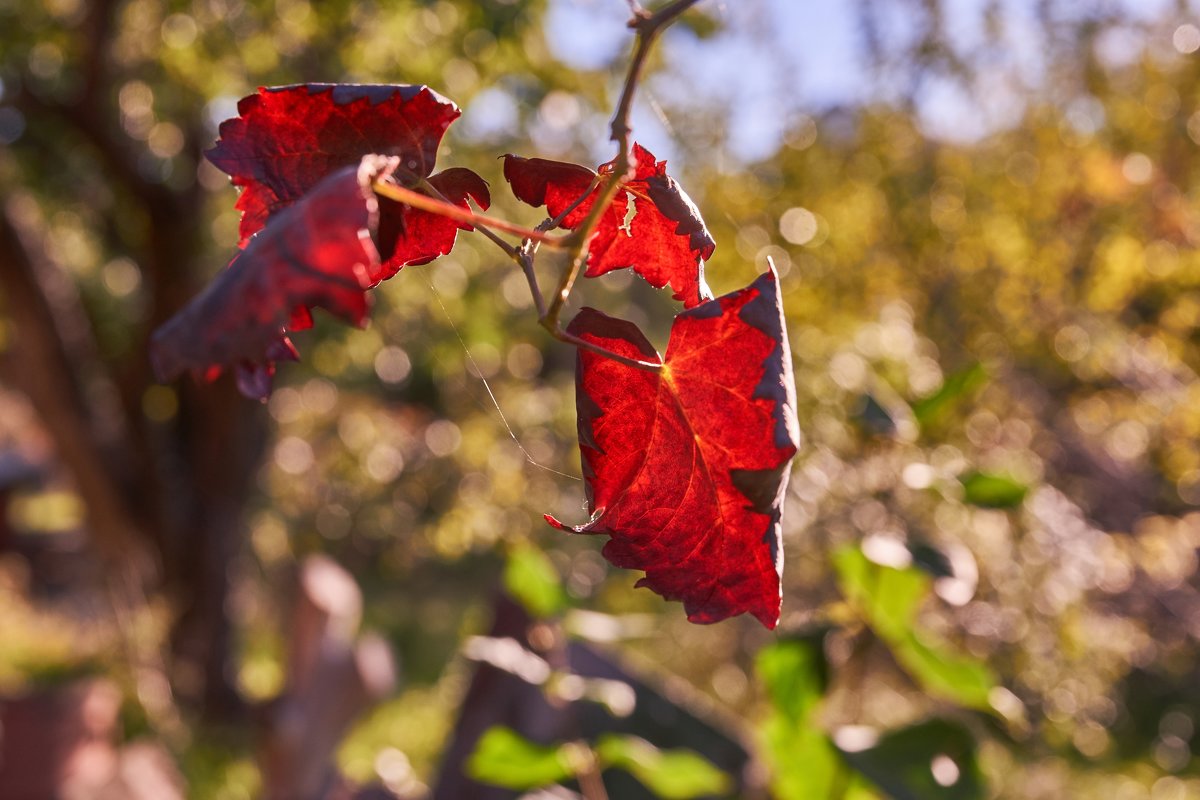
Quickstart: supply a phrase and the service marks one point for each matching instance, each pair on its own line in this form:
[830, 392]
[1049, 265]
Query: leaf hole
[630, 212]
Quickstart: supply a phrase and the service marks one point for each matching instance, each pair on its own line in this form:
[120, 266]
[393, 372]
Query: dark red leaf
[287, 138]
[686, 468]
[408, 236]
[553, 184]
[316, 253]
[665, 242]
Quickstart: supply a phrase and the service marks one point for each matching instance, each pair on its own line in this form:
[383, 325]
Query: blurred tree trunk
[164, 498]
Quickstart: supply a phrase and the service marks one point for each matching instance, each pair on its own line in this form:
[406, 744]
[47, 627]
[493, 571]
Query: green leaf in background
[989, 490]
[793, 672]
[530, 578]
[933, 760]
[859, 788]
[804, 763]
[961, 679]
[930, 409]
[505, 758]
[671, 774]
[887, 599]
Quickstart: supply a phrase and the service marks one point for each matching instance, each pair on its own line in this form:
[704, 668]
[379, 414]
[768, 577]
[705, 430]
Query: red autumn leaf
[408, 236]
[686, 468]
[316, 253]
[665, 242]
[285, 139]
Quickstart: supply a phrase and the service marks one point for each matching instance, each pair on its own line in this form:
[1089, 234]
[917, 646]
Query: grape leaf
[665, 242]
[281, 149]
[285, 139]
[316, 253]
[686, 468]
[409, 236]
[929, 410]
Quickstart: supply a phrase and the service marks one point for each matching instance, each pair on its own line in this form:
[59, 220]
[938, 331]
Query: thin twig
[648, 26]
[525, 255]
[528, 250]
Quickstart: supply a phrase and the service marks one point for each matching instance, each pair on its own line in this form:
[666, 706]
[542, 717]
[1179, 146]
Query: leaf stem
[402, 194]
[551, 224]
[436, 193]
[583, 344]
[528, 250]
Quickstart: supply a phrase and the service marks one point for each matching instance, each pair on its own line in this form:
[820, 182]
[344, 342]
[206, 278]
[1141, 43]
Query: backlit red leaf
[686, 468]
[409, 236]
[287, 138]
[316, 253]
[665, 241]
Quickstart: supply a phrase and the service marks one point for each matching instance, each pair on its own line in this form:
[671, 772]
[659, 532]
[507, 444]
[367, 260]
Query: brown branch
[528, 250]
[525, 255]
[648, 26]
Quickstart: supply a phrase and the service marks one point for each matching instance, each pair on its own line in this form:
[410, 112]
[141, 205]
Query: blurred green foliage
[801, 755]
[996, 350]
[933, 760]
[676, 774]
[887, 600]
[505, 758]
[531, 579]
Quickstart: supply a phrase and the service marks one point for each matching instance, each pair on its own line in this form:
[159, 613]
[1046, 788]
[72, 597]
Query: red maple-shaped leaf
[665, 241]
[686, 467]
[285, 139]
[317, 253]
